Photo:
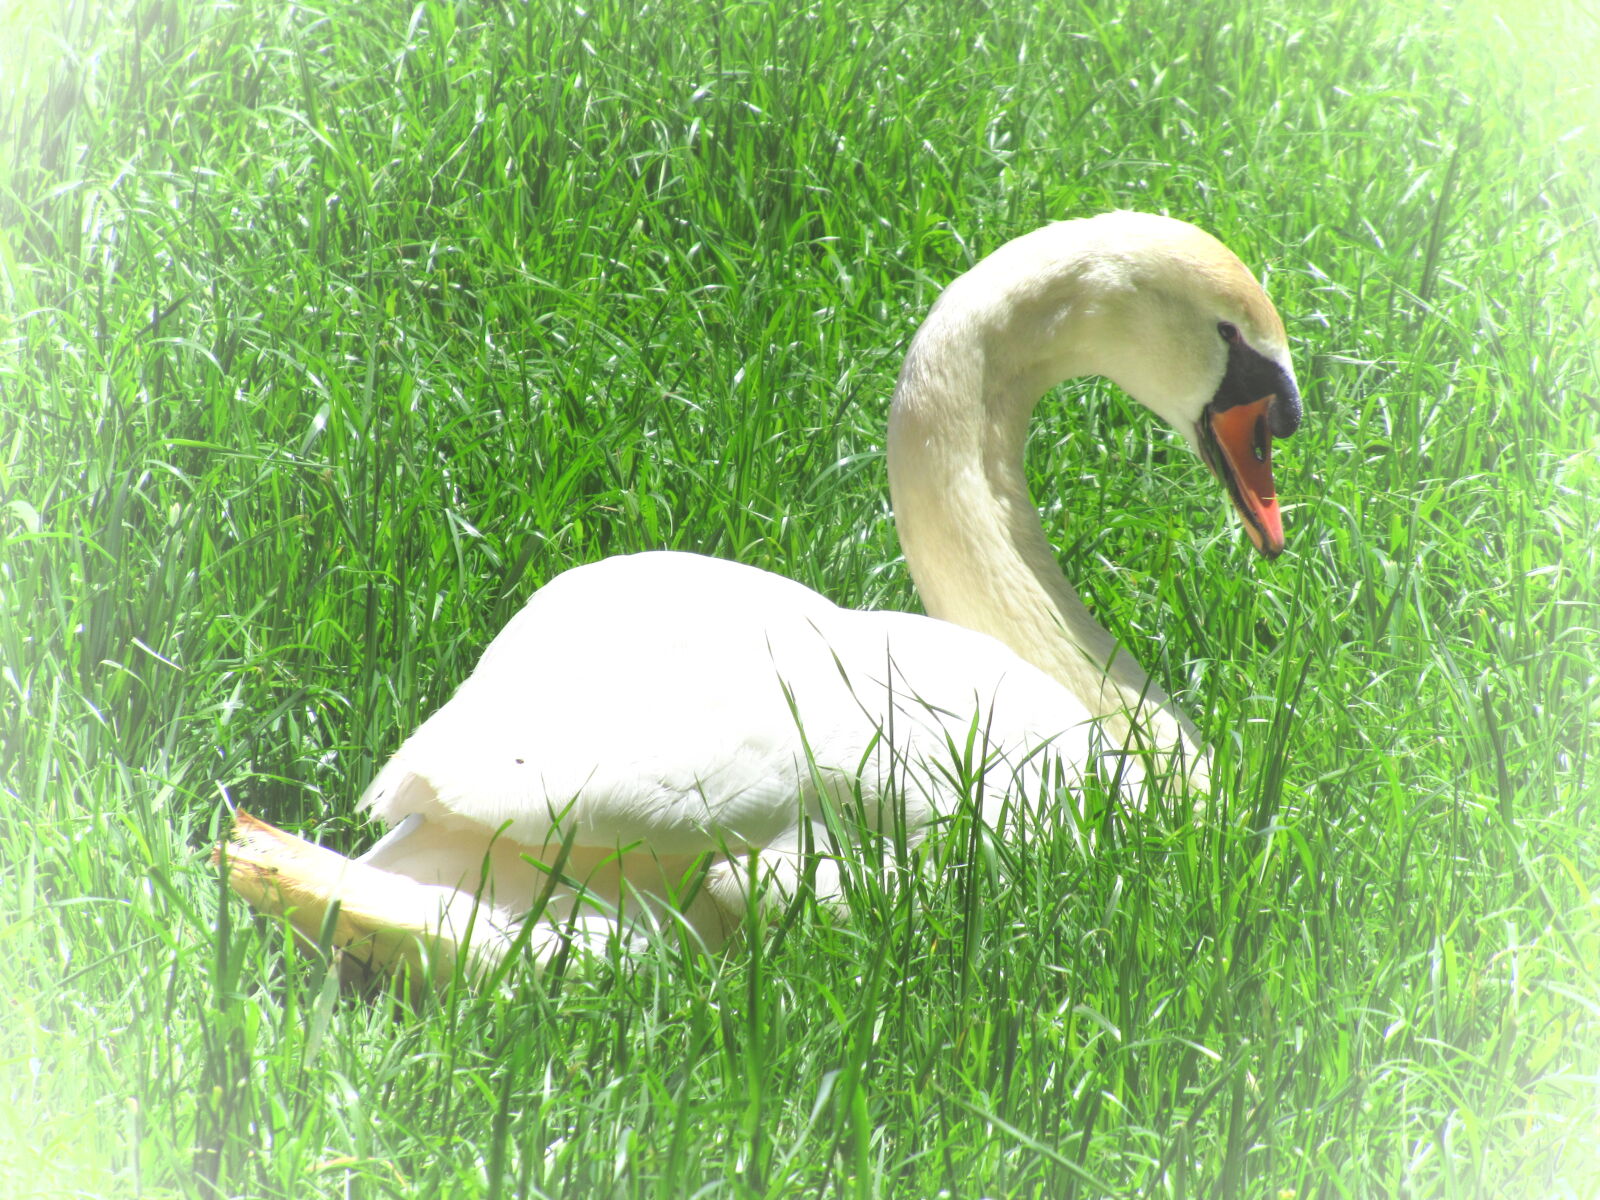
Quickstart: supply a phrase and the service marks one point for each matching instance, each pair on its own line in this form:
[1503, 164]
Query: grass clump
[329, 333]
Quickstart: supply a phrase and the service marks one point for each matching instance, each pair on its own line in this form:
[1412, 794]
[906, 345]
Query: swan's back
[687, 703]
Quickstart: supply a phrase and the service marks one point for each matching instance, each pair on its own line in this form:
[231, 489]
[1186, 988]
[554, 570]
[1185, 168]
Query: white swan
[645, 711]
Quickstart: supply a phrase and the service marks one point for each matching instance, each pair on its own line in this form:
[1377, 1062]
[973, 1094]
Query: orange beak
[1237, 444]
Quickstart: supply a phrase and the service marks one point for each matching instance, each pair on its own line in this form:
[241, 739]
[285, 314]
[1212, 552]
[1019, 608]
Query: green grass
[328, 334]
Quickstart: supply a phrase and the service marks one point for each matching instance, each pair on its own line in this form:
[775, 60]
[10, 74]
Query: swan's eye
[1229, 332]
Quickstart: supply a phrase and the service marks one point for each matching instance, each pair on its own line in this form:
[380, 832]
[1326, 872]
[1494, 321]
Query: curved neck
[971, 534]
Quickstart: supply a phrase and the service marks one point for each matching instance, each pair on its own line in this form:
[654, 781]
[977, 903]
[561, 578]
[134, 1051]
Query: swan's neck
[971, 534]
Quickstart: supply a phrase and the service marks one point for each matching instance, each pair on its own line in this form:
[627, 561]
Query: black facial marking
[1251, 376]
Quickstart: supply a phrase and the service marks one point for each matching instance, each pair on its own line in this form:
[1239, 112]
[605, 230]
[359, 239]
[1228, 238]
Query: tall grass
[327, 334]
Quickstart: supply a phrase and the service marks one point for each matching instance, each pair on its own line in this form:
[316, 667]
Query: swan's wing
[685, 703]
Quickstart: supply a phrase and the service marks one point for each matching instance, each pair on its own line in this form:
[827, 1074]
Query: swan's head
[1186, 330]
[1161, 308]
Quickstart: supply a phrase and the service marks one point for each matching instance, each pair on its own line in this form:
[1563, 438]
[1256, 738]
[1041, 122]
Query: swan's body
[646, 711]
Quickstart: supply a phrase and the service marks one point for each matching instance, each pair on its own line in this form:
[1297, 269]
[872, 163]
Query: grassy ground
[329, 333]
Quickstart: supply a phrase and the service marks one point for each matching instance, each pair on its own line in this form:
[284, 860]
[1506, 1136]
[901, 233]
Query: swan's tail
[383, 920]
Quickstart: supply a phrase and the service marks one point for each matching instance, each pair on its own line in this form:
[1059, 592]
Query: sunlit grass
[328, 334]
